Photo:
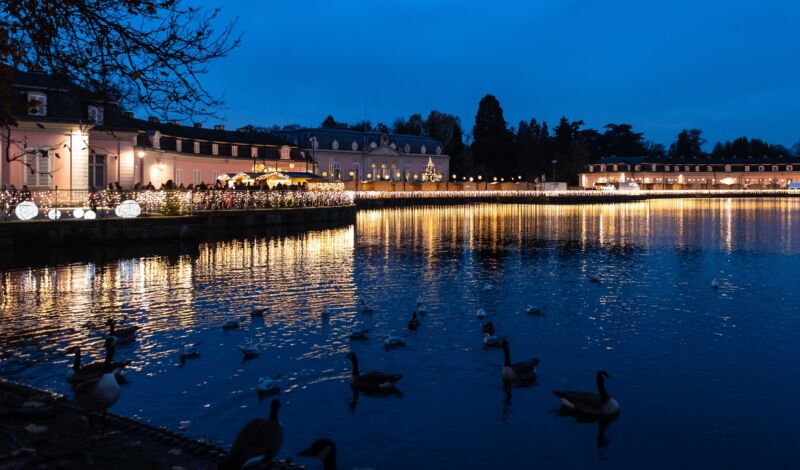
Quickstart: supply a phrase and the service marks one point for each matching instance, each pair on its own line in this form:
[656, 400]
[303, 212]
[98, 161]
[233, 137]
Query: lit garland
[569, 194]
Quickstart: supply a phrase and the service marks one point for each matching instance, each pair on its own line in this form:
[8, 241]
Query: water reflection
[652, 317]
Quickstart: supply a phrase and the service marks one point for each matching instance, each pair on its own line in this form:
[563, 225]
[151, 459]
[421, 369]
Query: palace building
[70, 139]
[693, 172]
[347, 155]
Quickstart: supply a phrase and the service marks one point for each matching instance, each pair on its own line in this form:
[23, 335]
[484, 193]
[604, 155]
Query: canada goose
[250, 351]
[268, 385]
[518, 371]
[413, 324]
[259, 311]
[231, 324]
[491, 341]
[365, 308]
[82, 373]
[597, 404]
[359, 334]
[122, 335]
[393, 341]
[481, 314]
[323, 449]
[487, 327]
[531, 310]
[371, 381]
[189, 350]
[257, 443]
[714, 283]
[99, 393]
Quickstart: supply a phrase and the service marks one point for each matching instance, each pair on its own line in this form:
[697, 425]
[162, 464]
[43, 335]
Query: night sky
[728, 68]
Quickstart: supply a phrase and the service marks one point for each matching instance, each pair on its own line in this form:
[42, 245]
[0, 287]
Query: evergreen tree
[689, 143]
[494, 145]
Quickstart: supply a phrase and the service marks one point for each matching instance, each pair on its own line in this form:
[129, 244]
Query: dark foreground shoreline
[40, 429]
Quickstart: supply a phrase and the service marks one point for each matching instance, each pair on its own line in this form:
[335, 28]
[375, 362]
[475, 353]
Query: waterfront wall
[43, 234]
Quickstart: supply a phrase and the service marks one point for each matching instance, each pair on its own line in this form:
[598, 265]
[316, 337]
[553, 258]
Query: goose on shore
[394, 341]
[487, 327]
[596, 404]
[359, 334]
[413, 324]
[99, 393]
[518, 371]
[531, 310]
[257, 443]
[323, 449]
[372, 381]
[231, 324]
[123, 335]
[481, 314]
[82, 373]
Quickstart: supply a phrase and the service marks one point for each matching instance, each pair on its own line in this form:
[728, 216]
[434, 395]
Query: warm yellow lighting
[141, 154]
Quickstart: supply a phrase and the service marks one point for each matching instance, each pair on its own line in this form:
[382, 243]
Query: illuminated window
[178, 145]
[197, 147]
[253, 152]
[196, 176]
[178, 175]
[234, 150]
[214, 149]
[760, 167]
[96, 114]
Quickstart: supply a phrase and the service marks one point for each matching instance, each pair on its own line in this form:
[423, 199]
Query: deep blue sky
[730, 68]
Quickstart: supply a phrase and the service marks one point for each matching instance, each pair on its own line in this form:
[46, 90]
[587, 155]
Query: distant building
[369, 156]
[71, 139]
[693, 172]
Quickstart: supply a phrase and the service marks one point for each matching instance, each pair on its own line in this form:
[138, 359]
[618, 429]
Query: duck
[257, 443]
[250, 351]
[189, 350]
[487, 327]
[422, 309]
[82, 373]
[586, 403]
[365, 308]
[231, 324]
[413, 324]
[531, 310]
[268, 385]
[122, 335]
[393, 341]
[481, 314]
[373, 381]
[714, 284]
[99, 393]
[259, 311]
[491, 341]
[518, 371]
[323, 449]
[359, 334]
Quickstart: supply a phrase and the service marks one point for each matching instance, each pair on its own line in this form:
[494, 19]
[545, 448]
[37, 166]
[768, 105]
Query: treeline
[534, 150]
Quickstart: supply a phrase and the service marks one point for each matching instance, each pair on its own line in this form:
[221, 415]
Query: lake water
[705, 378]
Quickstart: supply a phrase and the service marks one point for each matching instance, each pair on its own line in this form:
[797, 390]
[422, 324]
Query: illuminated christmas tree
[430, 175]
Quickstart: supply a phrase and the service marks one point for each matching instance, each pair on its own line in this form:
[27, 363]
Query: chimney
[198, 125]
[128, 114]
[219, 127]
[152, 119]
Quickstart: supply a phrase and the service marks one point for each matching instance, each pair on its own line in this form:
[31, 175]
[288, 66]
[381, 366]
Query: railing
[175, 202]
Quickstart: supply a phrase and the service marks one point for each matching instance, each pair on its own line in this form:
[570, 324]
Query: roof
[700, 160]
[210, 134]
[350, 140]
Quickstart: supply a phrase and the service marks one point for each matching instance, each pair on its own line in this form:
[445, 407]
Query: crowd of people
[218, 186]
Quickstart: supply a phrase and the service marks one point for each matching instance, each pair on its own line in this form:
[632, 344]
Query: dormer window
[96, 114]
[253, 152]
[178, 145]
[214, 149]
[234, 150]
[286, 152]
[196, 147]
[37, 103]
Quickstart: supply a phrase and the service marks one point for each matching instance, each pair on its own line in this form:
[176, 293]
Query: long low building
[693, 173]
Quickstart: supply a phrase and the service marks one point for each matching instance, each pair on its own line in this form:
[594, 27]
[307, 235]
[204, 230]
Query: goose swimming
[231, 324]
[597, 404]
[257, 443]
[518, 371]
[122, 335]
[373, 381]
[393, 341]
[359, 334]
[268, 385]
[413, 324]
